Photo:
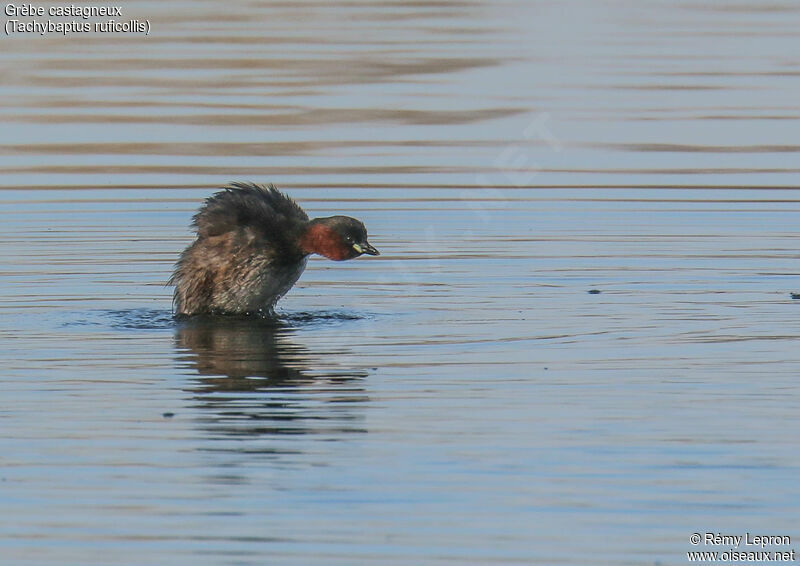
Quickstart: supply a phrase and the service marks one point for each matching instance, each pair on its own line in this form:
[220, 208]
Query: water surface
[578, 345]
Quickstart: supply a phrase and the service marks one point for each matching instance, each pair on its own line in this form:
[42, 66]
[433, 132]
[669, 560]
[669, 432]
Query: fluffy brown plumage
[252, 245]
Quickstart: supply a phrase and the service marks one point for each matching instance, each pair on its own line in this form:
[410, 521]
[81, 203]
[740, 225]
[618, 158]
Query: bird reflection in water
[254, 381]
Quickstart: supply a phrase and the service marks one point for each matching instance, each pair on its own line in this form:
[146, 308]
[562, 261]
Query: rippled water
[578, 346]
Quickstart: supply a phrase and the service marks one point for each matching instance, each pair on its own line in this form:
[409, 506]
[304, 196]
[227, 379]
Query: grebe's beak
[365, 248]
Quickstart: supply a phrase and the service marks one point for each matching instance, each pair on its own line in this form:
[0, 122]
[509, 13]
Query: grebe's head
[337, 238]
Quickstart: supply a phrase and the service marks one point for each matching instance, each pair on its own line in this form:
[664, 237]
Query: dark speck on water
[457, 400]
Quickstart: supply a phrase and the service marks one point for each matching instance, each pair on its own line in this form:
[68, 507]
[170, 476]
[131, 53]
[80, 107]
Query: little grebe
[252, 244]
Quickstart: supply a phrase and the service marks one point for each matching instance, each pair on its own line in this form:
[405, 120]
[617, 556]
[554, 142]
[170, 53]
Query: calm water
[463, 398]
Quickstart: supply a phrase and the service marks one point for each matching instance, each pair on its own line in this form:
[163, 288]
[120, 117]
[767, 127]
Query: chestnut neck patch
[323, 240]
